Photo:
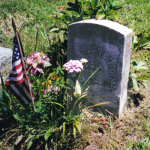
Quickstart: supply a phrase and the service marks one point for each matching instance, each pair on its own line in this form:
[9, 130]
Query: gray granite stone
[5, 61]
[107, 45]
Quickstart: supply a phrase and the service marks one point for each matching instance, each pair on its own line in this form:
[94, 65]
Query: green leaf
[141, 63]
[38, 104]
[64, 129]
[61, 36]
[74, 132]
[30, 144]
[48, 133]
[86, 6]
[145, 85]
[38, 107]
[52, 112]
[147, 46]
[133, 75]
[116, 16]
[116, 5]
[16, 116]
[47, 64]
[54, 29]
[29, 137]
[107, 9]
[59, 105]
[135, 40]
[102, 5]
[3, 87]
[38, 110]
[2, 80]
[102, 103]
[0, 94]
[38, 83]
[79, 99]
[86, 17]
[94, 3]
[139, 67]
[143, 41]
[135, 84]
[65, 117]
[100, 16]
[78, 125]
[142, 78]
[6, 93]
[46, 145]
[90, 76]
[111, 12]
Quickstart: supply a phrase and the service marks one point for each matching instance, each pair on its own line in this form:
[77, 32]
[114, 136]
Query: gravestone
[5, 61]
[106, 45]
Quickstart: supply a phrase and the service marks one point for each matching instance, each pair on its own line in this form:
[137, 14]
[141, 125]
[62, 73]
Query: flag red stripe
[16, 75]
[16, 67]
[27, 88]
[17, 96]
[23, 92]
[14, 82]
[20, 87]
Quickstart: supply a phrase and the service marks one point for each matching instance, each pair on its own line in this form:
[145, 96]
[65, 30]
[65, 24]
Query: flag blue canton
[16, 54]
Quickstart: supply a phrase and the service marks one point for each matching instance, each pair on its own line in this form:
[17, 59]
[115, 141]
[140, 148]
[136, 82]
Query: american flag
[17, 82]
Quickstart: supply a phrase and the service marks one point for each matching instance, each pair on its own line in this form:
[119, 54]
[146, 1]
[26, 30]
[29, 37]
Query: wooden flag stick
[23, 63]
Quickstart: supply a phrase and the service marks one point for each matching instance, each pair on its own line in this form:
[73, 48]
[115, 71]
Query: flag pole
[23, 63]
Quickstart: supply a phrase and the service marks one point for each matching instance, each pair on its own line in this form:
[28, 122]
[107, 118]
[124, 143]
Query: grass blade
[64, 129]
[90, 76]
[98, 104]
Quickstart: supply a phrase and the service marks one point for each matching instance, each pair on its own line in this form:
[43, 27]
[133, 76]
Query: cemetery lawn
[132, 131]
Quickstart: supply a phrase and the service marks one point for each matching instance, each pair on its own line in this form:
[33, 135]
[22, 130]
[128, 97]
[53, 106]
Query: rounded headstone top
[110, 24]
[4, 50]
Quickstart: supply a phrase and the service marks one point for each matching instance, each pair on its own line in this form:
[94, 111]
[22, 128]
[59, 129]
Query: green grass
[29, 15]
[137, 17]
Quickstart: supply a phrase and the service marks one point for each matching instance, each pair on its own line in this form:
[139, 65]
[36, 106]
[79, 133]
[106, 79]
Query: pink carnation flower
[35, 60]
[73, 65]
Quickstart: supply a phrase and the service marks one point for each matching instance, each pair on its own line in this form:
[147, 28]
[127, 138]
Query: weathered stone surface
[107, 45]
[5, 61]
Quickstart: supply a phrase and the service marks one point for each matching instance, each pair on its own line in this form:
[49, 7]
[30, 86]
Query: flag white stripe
[25, 91]
[16, 63]
[27, 82]
[17, 71]
[18, 93]
[15, 78]
[29, 85]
